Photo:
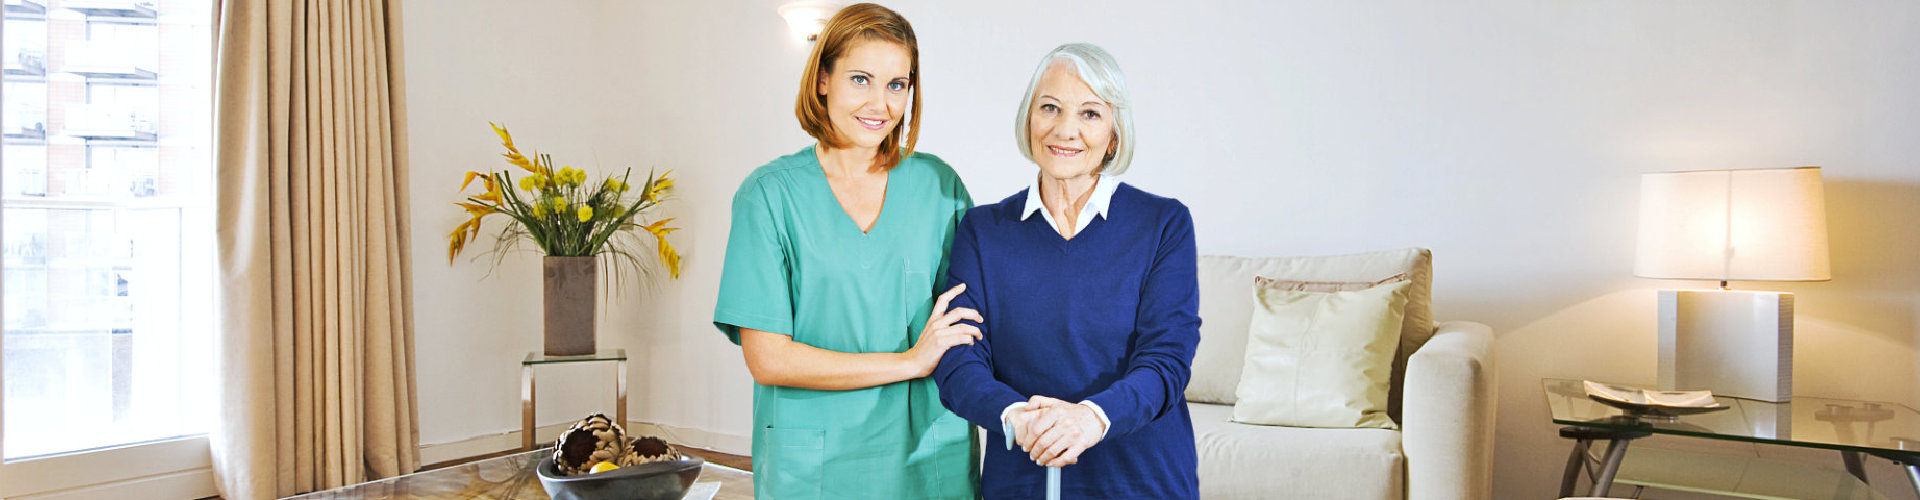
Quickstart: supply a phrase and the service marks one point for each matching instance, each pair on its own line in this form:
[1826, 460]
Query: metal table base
[528, 392]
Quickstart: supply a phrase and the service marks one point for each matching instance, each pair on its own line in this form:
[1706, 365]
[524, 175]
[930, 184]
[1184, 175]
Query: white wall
[528, 66]
[1505, 135]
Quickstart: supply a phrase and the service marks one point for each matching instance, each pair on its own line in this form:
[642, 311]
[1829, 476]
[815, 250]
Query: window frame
[180, 467]
[168, 468]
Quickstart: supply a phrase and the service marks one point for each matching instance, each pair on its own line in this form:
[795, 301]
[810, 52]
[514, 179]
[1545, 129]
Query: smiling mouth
[1064, 152]
[871, 124]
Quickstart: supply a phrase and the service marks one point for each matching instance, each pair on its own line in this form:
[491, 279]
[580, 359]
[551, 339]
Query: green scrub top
[797, 265]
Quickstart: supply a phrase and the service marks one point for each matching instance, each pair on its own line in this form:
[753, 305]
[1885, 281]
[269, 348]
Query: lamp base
[1732, 342]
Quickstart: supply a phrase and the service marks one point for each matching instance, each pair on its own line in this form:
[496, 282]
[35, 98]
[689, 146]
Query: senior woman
[1090, 300]
[830, 269]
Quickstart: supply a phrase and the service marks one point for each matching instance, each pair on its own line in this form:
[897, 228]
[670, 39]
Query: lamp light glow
[1733, 225]
[807, 18]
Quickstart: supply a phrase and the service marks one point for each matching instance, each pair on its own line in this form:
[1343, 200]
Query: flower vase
[569, 304]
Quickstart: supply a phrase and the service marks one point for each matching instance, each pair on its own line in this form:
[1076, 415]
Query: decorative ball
[598, 440]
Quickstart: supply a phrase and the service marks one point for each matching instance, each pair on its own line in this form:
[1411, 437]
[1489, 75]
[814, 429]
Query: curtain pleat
[315, 346]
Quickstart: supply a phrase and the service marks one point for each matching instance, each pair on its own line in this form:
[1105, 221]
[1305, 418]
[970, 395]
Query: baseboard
[698, 438]
[510, 440]
[196, 483]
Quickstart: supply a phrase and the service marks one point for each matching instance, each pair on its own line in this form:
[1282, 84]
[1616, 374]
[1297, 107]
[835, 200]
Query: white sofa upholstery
[1443, 450]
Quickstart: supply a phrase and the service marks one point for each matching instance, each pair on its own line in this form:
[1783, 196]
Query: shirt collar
[1096, 204]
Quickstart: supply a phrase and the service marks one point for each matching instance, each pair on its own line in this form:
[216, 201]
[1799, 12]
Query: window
[106, 224]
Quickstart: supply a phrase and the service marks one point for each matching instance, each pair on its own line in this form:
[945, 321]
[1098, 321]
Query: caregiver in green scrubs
[829, 283]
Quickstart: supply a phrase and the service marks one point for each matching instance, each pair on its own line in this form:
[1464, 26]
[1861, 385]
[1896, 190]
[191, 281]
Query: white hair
[1096, 67]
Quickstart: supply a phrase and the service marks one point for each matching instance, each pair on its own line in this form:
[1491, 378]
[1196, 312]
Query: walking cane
[1053, 473]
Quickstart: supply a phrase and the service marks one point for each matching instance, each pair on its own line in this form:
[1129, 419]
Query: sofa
[1442, 397]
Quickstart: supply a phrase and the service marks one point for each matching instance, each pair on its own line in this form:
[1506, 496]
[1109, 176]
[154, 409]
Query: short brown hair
[853, 24]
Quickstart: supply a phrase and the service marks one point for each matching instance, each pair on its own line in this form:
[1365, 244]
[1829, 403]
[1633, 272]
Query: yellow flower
[477, 210]
[659, 188]
[667, 254]
[493, 191]
[550, 191]
[570, 176]
[513, 155]
[456, 241]
[534, 182]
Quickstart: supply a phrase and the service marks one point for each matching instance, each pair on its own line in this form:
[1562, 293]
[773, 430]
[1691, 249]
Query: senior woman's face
[867, 91]
[1069, 128]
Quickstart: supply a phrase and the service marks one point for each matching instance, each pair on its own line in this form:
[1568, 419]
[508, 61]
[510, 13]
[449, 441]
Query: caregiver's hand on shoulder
[943, 331]
[1061, 432]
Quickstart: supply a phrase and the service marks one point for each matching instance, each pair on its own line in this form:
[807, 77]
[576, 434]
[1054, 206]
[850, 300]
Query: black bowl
[651, 481]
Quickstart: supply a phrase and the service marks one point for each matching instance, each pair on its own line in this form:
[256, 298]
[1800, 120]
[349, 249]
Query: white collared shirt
[1096, 205]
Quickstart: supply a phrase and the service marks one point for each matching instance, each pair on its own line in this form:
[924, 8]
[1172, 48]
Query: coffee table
[509, 477]
[1856, 429]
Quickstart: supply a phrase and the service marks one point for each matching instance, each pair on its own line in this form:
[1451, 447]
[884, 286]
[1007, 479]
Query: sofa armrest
[1447, 424]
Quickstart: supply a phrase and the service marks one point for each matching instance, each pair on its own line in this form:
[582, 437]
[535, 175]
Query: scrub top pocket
[794, 467]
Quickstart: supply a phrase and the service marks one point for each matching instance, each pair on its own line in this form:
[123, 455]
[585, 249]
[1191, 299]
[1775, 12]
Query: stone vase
[568, 304]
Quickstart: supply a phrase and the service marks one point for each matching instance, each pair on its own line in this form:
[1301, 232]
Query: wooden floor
[730, 460]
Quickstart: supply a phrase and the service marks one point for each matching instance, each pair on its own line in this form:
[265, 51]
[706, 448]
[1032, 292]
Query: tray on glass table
[1644, 402]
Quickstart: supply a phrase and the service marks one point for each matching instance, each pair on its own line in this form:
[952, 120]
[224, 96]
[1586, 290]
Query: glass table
[1854, 428]
[510, 477]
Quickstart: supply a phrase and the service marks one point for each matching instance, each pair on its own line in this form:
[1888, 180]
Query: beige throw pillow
[1227, 307]
[1321, 358]
[1322, 286]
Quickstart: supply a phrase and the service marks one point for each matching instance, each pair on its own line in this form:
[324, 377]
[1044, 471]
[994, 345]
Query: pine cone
[598, 439]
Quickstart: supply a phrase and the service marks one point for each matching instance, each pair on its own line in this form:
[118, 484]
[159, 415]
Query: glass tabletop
[1885, 429]
[541, 358]
[510, 477]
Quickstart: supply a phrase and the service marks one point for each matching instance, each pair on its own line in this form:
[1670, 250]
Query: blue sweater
[1111, 316]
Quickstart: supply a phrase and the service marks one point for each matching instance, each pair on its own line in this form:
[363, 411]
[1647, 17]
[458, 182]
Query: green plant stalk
[520, 212]
[623, 223]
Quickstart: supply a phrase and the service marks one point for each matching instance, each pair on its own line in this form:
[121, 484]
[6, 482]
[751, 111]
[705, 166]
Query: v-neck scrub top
[797, 265]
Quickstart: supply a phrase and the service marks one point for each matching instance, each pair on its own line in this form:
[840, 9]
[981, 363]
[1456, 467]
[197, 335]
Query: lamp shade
[1733, 225]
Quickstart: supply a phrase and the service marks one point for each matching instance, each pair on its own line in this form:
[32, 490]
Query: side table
[617, 356]
[1855, 429]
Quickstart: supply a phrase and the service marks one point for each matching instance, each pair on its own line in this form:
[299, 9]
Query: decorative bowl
[666, 480]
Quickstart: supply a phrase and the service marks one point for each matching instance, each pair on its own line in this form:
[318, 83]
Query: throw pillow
[1321, 359]
[1227, 307]
[1322, 286]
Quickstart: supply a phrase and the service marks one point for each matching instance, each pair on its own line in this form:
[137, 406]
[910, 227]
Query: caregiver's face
[1069, 128]
[867, 91]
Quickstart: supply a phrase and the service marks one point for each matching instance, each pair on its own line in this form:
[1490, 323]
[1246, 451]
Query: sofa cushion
[1226, 309]
[1320, 359]
[1257, 461]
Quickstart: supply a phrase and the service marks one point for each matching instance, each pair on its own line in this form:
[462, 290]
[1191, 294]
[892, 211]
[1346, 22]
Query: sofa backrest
[1226, 309]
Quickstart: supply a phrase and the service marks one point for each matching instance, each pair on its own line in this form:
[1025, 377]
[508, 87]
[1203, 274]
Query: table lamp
[1731, 225]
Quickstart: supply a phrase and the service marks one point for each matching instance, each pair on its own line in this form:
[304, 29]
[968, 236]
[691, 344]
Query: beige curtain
[315, 348]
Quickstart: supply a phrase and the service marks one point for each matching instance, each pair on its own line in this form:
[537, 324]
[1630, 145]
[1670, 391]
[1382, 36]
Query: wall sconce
[806, 18]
